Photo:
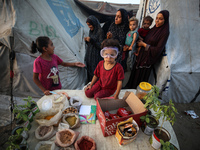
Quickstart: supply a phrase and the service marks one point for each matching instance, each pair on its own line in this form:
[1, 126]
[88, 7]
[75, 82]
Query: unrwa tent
[178, 72]
[21, 22]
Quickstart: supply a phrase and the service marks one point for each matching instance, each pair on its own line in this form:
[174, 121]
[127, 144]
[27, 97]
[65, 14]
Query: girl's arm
[39, 84]
[119, 86]
[75, 64]
[94, 79]
[133, 42]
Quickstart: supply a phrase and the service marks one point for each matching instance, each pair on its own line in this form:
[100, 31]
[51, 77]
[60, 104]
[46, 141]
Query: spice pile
[65, 137]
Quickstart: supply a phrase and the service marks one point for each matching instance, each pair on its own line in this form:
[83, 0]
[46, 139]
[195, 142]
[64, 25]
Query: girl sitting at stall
[108, 74]
[45, 67]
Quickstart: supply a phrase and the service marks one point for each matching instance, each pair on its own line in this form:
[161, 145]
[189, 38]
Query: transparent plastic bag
[40, 117]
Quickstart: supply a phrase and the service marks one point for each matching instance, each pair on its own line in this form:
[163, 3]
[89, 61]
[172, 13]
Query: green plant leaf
[24, 117]
[147, 120]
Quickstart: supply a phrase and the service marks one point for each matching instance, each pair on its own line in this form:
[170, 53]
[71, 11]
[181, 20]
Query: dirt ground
[186, 128]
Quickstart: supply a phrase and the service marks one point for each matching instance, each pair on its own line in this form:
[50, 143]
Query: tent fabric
[62, 22]
[23, 20]
[178, 73]
[102, 10]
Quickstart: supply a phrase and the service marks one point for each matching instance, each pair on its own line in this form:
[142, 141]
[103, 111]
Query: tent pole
[145, 8]
[12, 57]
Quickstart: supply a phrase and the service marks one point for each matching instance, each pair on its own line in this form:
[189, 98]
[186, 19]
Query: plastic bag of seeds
[43, 145]
[44, 132]
[65, 138]
[70, 109]
[72, 120]
[75, 101]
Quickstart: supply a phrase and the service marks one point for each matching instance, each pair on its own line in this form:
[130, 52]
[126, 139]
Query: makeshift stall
[94, 130]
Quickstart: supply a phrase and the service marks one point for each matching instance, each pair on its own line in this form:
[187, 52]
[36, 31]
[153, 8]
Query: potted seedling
[166, 113]
[151, 101]
[167, 145]
[16, 141]
[149, 124]
[32, 105]
[24, 132]
[21, 116]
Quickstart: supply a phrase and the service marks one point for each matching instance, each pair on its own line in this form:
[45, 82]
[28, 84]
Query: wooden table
[94, 130]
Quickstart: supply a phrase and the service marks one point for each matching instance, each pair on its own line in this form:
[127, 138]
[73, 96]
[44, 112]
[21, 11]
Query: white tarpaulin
[178, 74]
[21, 22]
[61, 21]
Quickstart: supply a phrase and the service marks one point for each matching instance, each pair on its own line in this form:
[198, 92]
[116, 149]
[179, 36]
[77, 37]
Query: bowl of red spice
[85, 143]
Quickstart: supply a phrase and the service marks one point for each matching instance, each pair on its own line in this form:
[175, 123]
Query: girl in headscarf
[93, 45]
[118, 30]
[152, 48]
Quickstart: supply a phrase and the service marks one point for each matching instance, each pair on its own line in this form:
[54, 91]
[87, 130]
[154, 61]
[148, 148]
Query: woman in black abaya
[152, 48]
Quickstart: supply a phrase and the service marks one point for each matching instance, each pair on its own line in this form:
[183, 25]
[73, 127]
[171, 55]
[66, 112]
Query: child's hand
[130, 48]
[125, 48]
[140, 43]
[87, 39]
[47, 92]
[116, 97]
[88, 87]
[79, 64]
[109, 35]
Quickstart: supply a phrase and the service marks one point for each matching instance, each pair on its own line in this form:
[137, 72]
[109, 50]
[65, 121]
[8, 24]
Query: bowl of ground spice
[85, 143]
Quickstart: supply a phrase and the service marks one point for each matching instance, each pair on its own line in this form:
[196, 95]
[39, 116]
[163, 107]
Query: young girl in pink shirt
[108, 74]
[45, 67]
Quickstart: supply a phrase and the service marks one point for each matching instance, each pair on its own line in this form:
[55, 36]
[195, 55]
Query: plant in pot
[166, 113]
[24, 132]
[149, 124]
[16, 141]
[151, 101]
[32, 105]
[21, 116]
[167, 145]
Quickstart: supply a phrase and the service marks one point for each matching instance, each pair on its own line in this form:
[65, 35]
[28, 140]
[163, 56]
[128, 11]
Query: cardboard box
[130, 100]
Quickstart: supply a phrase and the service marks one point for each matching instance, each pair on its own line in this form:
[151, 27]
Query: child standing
[144, 30]
[45, 68]
[108, 74]
[131, 38]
